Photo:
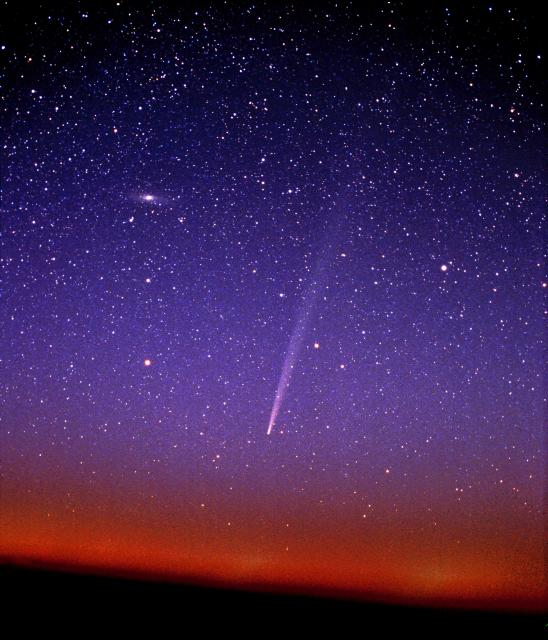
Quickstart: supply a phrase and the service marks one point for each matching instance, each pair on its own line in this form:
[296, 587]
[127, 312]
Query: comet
[295, 343]
[333, 233]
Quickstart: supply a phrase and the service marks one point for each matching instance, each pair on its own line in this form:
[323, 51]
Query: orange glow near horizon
[437, 569]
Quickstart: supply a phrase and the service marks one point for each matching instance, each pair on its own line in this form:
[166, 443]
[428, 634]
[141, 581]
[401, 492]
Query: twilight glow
[320, 222]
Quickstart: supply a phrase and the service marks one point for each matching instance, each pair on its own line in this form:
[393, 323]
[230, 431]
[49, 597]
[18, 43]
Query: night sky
[324, 221]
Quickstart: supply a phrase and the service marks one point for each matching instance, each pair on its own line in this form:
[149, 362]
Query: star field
[176, 179]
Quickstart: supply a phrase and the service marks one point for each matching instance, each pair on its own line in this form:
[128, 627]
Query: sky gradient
[328, 214]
